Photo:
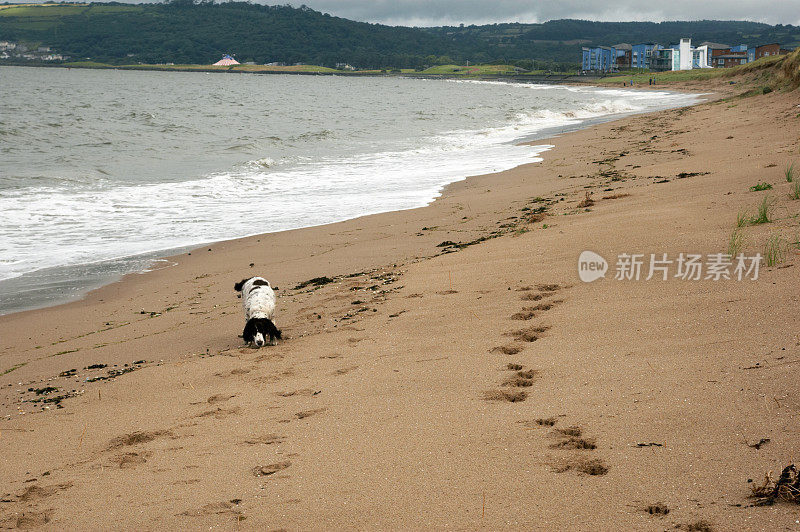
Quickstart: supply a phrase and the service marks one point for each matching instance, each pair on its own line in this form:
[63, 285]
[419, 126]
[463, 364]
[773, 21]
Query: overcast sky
[453, 12]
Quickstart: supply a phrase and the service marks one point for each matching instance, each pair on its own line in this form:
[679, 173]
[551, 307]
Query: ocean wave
[90, 218]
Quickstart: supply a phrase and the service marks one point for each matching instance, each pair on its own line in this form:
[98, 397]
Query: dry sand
[391, 403]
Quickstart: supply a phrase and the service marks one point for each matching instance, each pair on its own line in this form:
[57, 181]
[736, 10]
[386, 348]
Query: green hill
[561, 40]
[184, 32]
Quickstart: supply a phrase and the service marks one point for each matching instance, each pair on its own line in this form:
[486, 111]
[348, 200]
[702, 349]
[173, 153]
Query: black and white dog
[258, 300]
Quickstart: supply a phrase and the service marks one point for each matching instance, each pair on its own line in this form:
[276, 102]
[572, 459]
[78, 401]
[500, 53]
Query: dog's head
[258, 330]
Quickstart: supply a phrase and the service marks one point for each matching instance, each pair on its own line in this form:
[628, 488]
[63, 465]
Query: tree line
[188, 31]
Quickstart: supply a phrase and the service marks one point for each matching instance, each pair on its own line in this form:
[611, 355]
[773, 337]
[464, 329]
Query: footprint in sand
[36, 493]
[305, 392]
[218, 398]
[270, 469]
[543, 306]
[215, 508]
[235, 371]
[521, 379]
[510, 396]
[265, 439]
[533, 296]
[524, 315]
[582, 465]
[220, 413]
[572, 439]
[135, 438]
[131, 460]
[345, 370]
[509, 349]
[528, 313]
[308, 413]
[656, 509]
[531, 334]
[33, 519]
[549, 287]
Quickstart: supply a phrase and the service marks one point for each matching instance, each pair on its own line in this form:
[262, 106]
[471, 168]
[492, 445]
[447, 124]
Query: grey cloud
[453, 12]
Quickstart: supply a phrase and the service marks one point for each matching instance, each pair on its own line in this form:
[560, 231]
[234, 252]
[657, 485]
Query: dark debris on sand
[786, 488]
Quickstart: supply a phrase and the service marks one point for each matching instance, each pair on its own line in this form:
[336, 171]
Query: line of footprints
[512, 388]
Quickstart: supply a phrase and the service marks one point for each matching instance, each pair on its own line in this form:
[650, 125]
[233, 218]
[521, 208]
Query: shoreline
[104, 272]
[533, 78]
[447, 366]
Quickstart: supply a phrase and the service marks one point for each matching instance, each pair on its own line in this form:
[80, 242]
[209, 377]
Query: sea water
[103, 171]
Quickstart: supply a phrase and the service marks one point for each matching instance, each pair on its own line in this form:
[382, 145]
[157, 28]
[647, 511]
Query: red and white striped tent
[226, 61]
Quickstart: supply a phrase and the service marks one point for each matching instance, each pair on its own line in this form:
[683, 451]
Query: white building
[683, 57]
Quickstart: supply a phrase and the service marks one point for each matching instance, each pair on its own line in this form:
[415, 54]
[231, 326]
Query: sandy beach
[443, 367]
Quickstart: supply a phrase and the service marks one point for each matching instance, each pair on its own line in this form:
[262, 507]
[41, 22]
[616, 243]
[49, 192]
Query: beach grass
[742, 219]
[789, 172]
[760, 186]
[736, 243]
[762, 216]
[794, 193]
[774, 250]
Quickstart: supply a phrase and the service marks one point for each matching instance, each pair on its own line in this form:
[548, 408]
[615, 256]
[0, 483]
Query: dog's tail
[272, 330]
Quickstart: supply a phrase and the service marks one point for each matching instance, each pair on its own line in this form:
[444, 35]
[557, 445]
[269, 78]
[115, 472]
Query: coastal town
[24, 52]
[683, 56]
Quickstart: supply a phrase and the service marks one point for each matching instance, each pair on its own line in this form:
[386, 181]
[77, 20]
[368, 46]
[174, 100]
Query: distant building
[345, 66]
[226, 60]
[665, 59]
[766, 50]
[729, 60]
[682, 56]
[641, 54]
[623, 56]
[598, 59]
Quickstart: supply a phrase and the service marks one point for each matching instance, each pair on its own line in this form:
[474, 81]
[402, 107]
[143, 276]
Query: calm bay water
[101, 171]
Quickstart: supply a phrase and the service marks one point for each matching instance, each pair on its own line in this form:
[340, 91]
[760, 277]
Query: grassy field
[443, 70]
[472, 70]
[33, 10]
[666, 77]
[697, 74]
